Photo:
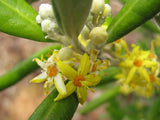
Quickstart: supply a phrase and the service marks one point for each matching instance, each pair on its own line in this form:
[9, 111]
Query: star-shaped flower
[78, 80]
[50, 75]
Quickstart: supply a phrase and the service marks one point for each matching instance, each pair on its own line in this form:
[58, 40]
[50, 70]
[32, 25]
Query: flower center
[52, 71]
[94, 68]
[118, 41]
[137, 63]
[152, 78]
[77, 81]
[151, 56]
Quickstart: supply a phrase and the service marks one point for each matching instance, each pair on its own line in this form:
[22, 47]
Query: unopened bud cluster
[82, 57]
[93, 32]
[48, 22]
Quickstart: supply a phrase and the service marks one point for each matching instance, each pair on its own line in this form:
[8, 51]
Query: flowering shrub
[92, 46]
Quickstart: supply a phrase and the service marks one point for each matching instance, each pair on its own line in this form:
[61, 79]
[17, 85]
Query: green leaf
[107, 95]
[157, 19]
[60, 110]
[108, 75]
[148, 25]
[31, 1]
[133, 14]
[22, 69]
[71, 15]
[151, 26]
[18, 18]
[154, 111]
[114, 109]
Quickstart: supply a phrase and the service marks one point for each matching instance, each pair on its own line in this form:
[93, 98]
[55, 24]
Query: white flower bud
[107, 10]
[48, 26]
[46, 11]
[65, 53]
[97, 6]
[85, 33]
[38, 19]
[98, 35]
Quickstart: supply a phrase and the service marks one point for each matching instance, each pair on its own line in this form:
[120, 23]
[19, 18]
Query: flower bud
[48, 25]
[107, 10]
[38, 19]
[98, 35]
[97, 6]
[85, 33]
[46, 11]
[65, 53]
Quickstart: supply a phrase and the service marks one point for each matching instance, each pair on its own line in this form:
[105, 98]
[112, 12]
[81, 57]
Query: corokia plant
[89, 52]
[80, 58]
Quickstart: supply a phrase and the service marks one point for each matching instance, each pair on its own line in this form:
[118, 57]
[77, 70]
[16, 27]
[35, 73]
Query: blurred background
[19, 101]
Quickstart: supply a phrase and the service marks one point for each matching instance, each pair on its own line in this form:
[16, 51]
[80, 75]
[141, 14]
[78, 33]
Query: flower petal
[59, 83]
[40, 78]
[66, 70]
[149, 64]
[144, 74]
[81, 94]
[91, 80]
[84, 65]
[40, 63]
[131, 75]
[70, 88]
[48, 86]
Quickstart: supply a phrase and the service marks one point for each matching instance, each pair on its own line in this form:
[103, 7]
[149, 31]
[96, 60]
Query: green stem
[100, 100]
[22, 69]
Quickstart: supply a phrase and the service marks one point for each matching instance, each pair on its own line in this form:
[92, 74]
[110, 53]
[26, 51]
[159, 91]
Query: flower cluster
[74, 67]
[140, 71]
[78, 60]
[82, 57]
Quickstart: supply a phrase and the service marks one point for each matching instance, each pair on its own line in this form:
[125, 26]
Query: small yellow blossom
[140, 71]
[50, 75]
[78, 80]
[96, 64]
[120, 44]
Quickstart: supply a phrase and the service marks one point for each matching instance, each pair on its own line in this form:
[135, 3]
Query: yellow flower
[140, 71]
[96, 64]
[119, 45]
[50, 75]
[138, 62]
[78, 80]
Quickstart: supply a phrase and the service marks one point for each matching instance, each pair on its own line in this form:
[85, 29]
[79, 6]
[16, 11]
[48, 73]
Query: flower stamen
[118, 41]
[137, 63]
[152, 78]
[77, 81]
[52, 71]
[94, 68]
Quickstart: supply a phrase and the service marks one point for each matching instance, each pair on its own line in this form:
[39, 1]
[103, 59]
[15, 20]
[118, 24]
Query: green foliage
[60, 110]
[114, 109]
[154, 111]
[130, 108]
[71, 15]
[107, 95]
[31, 1]
[22, 69]
[107, 75]
[133, 14]
[18, 19]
